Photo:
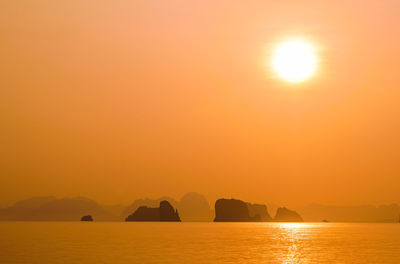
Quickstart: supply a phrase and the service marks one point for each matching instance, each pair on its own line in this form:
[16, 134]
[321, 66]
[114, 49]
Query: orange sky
[116, 100]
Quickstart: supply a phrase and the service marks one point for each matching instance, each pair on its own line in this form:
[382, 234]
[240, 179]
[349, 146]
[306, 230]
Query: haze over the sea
[120, 100]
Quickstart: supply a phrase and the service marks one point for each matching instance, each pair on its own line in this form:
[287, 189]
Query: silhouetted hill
[52, 209]
[260, 210]
[21, 210]
[194, 207]
[14, 213]
[232, 210]
[285, 215]
[164, 213]
[362, 213]
[69, 209]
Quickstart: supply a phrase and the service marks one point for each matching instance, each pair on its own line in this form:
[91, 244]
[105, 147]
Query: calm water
[80, 242]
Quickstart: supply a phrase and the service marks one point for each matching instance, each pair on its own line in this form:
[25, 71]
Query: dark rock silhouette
[232, 210]
[144, 213]
[164, 213]
[87, 218]
[194, 207]
[147, 203]
[285, 215]
[259, 211]
[167, 212]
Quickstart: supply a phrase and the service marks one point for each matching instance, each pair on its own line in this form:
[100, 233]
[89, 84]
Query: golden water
[117, 243]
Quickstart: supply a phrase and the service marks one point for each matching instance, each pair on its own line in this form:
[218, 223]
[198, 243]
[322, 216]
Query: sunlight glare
[294, 61]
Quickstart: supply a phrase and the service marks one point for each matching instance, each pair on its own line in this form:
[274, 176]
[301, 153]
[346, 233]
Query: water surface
[134, 242]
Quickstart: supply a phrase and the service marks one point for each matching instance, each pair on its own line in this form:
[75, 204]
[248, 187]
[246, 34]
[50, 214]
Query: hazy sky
[116, 100]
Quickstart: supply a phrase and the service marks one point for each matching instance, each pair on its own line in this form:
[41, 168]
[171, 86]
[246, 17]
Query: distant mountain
[194, 207]
[22, 210]
[285, 215]
[34, 202]
[69, 209]
[362, 213]
[52, 209]
[115, 209]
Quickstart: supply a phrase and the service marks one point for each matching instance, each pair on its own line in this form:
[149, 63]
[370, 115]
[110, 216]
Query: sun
[294, 61]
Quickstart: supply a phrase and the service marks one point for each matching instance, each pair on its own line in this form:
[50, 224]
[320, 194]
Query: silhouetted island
[88, 218]
[164, 213]
[285, 215]
[232, 210]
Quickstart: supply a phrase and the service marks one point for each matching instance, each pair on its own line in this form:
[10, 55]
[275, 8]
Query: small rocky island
[233, 210]
[87, 218]
[164, 213]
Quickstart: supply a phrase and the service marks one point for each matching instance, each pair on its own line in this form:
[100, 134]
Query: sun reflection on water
[292, 236]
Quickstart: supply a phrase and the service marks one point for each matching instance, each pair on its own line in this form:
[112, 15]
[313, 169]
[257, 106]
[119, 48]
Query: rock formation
[232, 210]
[285, 215]
[167, 213]
[164, 213]
[87, 218]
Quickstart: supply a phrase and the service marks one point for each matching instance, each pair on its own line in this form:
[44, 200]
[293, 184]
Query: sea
[160, 242]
